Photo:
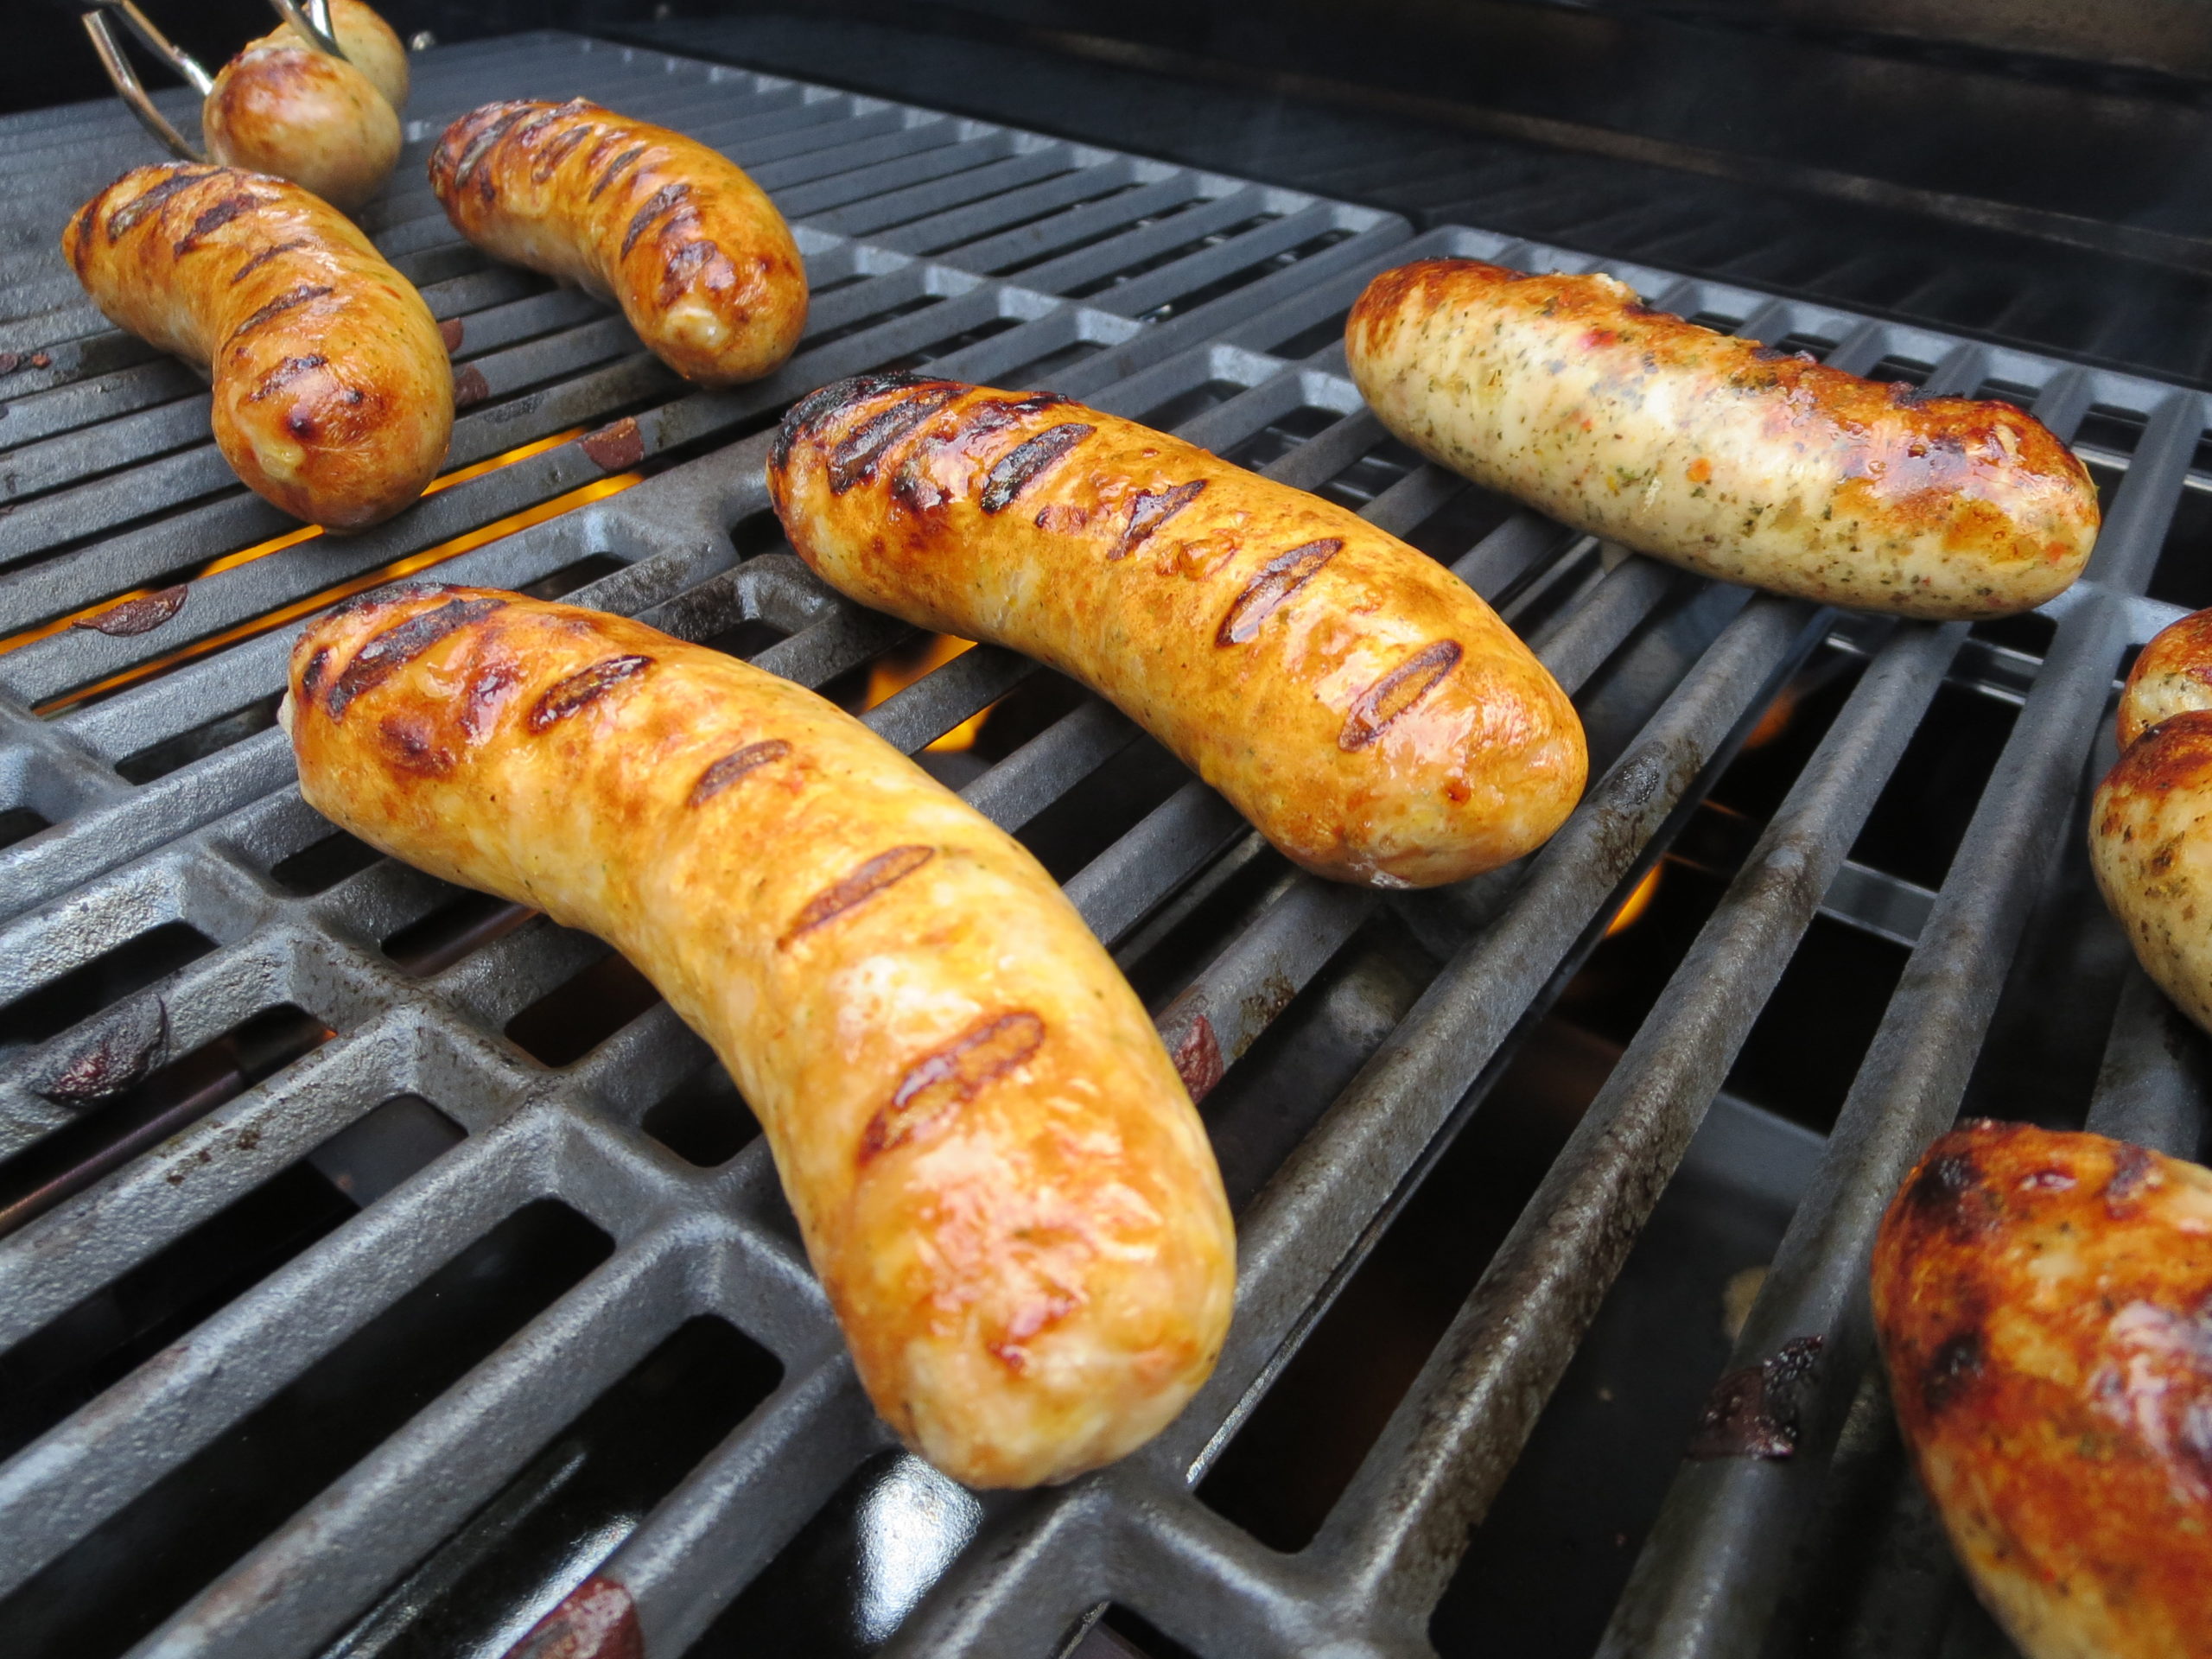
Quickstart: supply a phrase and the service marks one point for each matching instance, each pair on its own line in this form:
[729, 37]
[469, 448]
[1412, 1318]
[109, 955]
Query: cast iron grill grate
[489, 1090]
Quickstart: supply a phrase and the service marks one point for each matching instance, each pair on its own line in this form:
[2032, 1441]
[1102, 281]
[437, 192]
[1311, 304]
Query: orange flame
[1773, 722]
[451, 549]
[1633, 907]
[895, 670]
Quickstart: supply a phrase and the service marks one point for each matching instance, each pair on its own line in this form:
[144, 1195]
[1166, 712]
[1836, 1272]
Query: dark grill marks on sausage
[558, 151]
[283, 374]
[215, 219]
[737, 764]
[486, 690]
[1013, 472]
[1951, 1371]
[662, 200]
[1396, 692]
[292, 299]
[855, 459]
[472, 154]
[802, 415]
[125, 218]
[1280, 577]
[1149, 511]
[583, 688]
[262, 258]
[411, 738]
[311, 676]
[385, 654]
[950, 1078]
[615, 169]
[863, 884]
[699, 256]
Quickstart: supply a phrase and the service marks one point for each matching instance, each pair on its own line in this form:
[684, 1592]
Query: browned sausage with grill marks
[691, 249]
[333, 391]
[998, 1177]
[1357, 701]
[329, 124]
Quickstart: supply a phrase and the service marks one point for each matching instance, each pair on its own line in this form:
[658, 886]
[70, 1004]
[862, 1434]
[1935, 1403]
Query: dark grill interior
[413, 1263]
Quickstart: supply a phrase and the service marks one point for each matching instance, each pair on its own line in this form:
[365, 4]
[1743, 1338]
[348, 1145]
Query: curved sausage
[333, 392]
[2041, 1299]
[691, 249]
[283, 108]
[1718, 455]
[2149, 839]
[1358, 704]
[1000, 1178]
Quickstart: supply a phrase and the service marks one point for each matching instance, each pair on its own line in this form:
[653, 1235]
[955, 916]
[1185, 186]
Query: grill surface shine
[251, 996]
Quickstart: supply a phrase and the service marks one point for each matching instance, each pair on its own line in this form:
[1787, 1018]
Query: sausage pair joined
[694, 252]
[333, 391]
[2041, 1299]
[1000, 1178]
[329, 124]
[1367, 713]
[2150, 822]
[1717, 453]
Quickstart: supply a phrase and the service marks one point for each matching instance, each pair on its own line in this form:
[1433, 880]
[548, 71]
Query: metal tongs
[311, 19]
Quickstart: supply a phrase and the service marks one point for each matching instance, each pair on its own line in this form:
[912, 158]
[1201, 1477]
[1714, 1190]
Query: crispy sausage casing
[693, 250]
[2042, 1302]
[282, 108]
[998, 1177]
[1357, 703]
[369, 45]
[333, 392]
[1716, 454]
[2150, 822]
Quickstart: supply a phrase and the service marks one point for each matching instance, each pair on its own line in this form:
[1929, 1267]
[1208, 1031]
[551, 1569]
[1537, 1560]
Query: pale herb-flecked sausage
[1000, 1178]
[2150, 822]
[1717, 454]
[1371, 716]
[693, 250]
[333, 390]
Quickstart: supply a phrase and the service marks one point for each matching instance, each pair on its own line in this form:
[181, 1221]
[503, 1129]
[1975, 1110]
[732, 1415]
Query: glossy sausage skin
[1367, 713]
[2150, 822]
[1000, 1178]
[333, 392]
[2045, 1305]
[1717, 453]
[369, 45]
[692, 249]
[283, 108]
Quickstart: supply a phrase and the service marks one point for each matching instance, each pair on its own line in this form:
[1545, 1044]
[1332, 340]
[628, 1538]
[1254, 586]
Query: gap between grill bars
[169, 890]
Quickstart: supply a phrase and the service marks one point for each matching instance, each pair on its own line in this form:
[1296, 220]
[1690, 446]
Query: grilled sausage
[369, 45]
[998, 1177]
[1718, 455]
[2042, 1303]
[282, 107]
[2149, 839]
[1361, 706]
[691, 249]
[333, 392]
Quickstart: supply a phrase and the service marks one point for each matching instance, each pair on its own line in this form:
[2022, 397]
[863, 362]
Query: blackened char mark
[803, 416]
[615, 169]
[559, 151]
[666, 200]
[942, 1082]
[1951, 1371]
[311, 676]
[290, 300]
[126, 218]
[479, 144]
[582, 688]
[1950, 1193]
[1279, 578]
[2134, 1169]
[1753, 1413]
[701, 258]
[1396, 693]
[273, 250]
[863, 884]
[215, 219]
[854, 460]
[734, 765]
[1150, 511]
[386, 653]
[1014, 471]
[284, 373]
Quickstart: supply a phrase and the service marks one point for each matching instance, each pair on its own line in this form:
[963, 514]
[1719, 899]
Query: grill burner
[460, 1275]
